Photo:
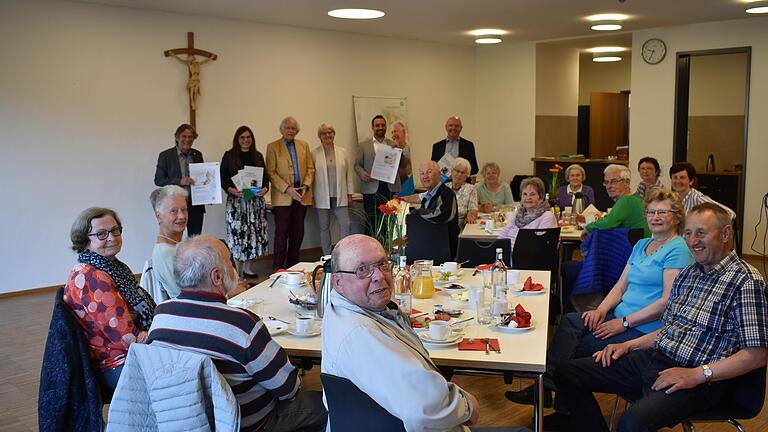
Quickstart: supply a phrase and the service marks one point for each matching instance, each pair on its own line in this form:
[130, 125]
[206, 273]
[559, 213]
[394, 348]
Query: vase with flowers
[556, 180]
[389, 226]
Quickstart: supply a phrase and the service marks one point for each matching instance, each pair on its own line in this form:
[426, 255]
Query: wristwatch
[707, 373]
[625, 323]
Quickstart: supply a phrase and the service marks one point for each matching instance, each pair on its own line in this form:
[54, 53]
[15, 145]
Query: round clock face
[654, 51]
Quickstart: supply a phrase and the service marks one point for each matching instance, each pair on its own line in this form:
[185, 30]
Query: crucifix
[193, 83]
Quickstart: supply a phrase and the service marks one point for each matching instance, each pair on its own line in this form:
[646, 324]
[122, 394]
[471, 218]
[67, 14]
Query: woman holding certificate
[246, 210]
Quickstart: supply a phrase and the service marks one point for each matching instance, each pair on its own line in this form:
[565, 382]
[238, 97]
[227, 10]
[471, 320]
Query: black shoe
[557, 422]
[250, 275]
[525, 396]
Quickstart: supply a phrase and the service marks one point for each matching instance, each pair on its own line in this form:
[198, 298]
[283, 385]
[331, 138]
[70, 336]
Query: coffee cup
[292, 278]
[304, 324]
[449, 267]
[513, 276]
[439, 330]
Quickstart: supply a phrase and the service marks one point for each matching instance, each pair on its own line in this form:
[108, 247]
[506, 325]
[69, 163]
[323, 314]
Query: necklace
[651, 250]
[168, 238]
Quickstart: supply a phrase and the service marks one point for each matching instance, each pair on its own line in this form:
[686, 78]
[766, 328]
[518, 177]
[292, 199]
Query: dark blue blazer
[466, 150]
[168, 171]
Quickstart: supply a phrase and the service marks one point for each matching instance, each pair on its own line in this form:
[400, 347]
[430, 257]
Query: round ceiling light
[488, 39]
[603, 58]
[607, 49]
[606, 26]
[356, 13]
[607, 22]
[487, 32]
[757, 10]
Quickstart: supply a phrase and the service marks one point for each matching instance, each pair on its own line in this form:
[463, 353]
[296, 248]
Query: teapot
[322, 287]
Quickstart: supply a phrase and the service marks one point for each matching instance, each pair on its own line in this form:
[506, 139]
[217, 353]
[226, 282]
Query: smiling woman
[170, 206]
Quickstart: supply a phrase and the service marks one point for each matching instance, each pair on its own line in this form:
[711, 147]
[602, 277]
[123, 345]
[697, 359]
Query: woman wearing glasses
[112, 310]
[634, 306]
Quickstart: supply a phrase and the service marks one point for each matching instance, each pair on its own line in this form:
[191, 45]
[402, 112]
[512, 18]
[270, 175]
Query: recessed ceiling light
[488, 39]
[484, 32]
[356, 13]
[606, 49]
[606, 26]
[757, 10]
[605, 58]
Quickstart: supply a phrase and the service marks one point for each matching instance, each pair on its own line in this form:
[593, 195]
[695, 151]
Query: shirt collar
[205, 296]
[181, 153]
[720, 266]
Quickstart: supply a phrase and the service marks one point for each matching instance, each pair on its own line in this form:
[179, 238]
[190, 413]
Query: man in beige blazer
[291, 170]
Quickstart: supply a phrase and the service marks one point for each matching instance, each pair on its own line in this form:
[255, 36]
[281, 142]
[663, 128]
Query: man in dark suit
[455, 146]
[173, 168]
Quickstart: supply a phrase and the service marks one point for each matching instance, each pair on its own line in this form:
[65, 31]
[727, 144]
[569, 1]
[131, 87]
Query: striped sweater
[254, 365]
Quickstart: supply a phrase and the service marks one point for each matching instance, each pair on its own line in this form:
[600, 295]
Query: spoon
[278, 319]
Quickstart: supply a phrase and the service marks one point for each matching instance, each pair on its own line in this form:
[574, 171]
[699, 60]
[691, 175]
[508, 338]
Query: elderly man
[628, 211]
[265, 383]
[376, 192]
[369, 341]
[400, 138]
[291, 170]
[173, 169]
[445, 151]
[714, 329]
[682, 175]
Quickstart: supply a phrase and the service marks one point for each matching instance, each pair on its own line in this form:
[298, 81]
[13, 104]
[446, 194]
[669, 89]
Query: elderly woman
[112, 310]
[466, 194]
[334, 183]
[491, 193]
[534, 213]
[246, 216]
[170, 206]
[634, 306]
[649, 170]
[576, 176]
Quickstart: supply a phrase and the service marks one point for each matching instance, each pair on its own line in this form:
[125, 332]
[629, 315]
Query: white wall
[506, 106]
[87, 101]
[653, 100]
[557, 80]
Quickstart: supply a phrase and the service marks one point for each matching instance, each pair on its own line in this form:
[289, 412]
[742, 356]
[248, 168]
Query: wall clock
[654, 50]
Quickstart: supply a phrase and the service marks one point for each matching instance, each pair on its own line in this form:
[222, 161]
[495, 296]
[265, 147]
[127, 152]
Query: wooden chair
[351, 410]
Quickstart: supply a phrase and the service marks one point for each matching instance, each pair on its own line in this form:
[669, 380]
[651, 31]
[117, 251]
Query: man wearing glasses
[369, 341]
[628, 210]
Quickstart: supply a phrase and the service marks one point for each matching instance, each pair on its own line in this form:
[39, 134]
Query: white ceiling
[447, 21]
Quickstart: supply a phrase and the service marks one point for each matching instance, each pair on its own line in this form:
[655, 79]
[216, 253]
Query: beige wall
[87, 101]
[653, 99]
[603, 77]
[557, 96]
[718, 84]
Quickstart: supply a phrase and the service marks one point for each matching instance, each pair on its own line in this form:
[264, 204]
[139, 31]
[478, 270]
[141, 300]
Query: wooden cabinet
[722, 186]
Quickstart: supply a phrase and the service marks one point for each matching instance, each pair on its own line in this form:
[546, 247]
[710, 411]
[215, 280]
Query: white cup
[439, 330]
[292, 278]
[449, 267]
[304, 324]
[489, 224]
[513, 276]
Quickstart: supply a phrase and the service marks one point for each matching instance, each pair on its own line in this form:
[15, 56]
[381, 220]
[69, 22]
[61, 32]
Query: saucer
[453, 339]
[292, 286]
[275, 327]
[292, 330]
[505, 329]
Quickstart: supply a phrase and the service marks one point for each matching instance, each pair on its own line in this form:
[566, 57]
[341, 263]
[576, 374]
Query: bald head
[202, 263]
[355, 251]
[429, 173]
[453, 127]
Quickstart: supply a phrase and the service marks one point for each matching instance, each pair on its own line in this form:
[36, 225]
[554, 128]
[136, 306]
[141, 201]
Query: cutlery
[418, 315]
[275, 281]
[278, 319]
[487, 343]
[463, 321]
[293, 295]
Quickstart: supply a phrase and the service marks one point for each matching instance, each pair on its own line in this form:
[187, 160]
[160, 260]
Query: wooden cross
[193, 83]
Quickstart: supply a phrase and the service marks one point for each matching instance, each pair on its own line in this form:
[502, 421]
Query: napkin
[530, 286]
[521, 317]
[479, 345]
[590, 211]
[482, 267]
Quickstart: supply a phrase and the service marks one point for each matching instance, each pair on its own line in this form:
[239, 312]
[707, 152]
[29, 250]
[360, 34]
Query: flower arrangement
[389, 227]
[556, 179]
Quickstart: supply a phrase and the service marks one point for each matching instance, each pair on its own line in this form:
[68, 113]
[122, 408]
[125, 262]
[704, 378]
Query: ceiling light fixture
[487, 32]
[607, 22]
[757, 10]
[356, 13]
[606, 49]
[605, 57]
[488, 39]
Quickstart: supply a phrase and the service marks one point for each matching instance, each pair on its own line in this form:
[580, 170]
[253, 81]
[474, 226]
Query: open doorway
[711, 118]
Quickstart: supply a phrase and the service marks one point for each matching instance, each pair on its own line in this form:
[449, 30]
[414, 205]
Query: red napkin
[479, 345]
[282, 270]
[415, 311]
[521, 317]
[530, 286]
[482, 267]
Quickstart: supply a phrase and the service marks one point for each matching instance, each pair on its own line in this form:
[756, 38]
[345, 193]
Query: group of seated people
[686, 316]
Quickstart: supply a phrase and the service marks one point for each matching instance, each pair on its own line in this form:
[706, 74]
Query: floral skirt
[246, 227]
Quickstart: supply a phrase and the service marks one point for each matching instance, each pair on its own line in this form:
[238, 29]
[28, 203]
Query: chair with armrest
[745, 401]
[351, 410]
[429, 241]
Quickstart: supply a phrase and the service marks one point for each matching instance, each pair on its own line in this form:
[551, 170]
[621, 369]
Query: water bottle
[403, 295]
[499, 284]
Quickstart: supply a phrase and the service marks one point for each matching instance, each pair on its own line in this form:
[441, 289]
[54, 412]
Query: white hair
[624, 172]
[195, 259]
[158, 196]
[286, 120]
[460, 162]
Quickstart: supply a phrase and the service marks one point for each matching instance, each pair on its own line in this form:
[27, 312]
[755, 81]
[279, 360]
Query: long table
[520, 352]
[477, 232]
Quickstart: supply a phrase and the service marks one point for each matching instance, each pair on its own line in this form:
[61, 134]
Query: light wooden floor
[24, 325]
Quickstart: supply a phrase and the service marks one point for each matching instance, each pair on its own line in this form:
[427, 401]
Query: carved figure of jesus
[193, 84]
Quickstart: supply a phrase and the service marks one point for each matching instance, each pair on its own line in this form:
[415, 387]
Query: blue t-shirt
[645, 279]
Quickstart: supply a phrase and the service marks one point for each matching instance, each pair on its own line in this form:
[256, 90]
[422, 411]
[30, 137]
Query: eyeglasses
[366, 270]
[654, 212]
[104, 234]
[612, 182]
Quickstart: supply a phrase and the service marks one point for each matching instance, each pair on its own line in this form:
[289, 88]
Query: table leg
[538, 403]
